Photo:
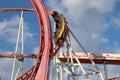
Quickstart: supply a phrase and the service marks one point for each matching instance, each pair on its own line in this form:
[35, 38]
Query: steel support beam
[13, 55]
[97, 58]
[42, 64]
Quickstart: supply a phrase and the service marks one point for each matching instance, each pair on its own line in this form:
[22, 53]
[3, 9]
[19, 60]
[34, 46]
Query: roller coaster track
[47, 50]
[45, 40]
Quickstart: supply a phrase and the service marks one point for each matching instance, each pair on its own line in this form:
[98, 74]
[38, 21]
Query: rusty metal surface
[13, 55]
[16, 9]
[97, 58]
[41, 69]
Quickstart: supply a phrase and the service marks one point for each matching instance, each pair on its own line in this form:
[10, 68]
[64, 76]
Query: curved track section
[59, 26]
[41, 69]
[61, 31]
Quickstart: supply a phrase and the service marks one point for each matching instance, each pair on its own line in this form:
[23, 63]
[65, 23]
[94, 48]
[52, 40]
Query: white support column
[92, 62]
[21, 25]
[22, 51]
[105, 71]
[61, 73]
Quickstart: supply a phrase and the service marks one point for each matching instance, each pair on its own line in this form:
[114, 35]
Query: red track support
[97, 58]
[13, 55]
[40, 71]
[16, 9]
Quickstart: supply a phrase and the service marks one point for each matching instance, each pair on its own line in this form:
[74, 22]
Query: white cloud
[5, 68]
[105, 40]
[8, 33]
[117, 50]
[113, 71]
[115, 20]
[9, 30]
[86, 18]
[35, 50]
[102, 6]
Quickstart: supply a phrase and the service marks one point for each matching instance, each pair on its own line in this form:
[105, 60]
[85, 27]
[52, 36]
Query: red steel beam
[41, 68]
[97, 58]
[27, 75]
[13, 55]
[42, 64]
[16, 9]
[50, 12]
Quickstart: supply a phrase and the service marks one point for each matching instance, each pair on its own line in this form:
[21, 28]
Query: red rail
[41, 71]
[97, 58]
[16, 9]
[13, 55]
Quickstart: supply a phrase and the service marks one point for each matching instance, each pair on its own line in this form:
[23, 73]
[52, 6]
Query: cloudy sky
[96, 23]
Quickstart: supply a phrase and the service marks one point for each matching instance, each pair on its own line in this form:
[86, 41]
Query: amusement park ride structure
[65, 60]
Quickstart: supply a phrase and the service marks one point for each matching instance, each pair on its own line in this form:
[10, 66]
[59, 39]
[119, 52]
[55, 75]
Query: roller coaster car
[60, 41]
[57, 19]
[60, 27]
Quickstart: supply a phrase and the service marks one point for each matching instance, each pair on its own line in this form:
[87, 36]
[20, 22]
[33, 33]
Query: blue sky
[95, 23]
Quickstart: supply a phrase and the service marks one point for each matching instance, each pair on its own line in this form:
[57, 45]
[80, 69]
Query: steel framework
[68, 62]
